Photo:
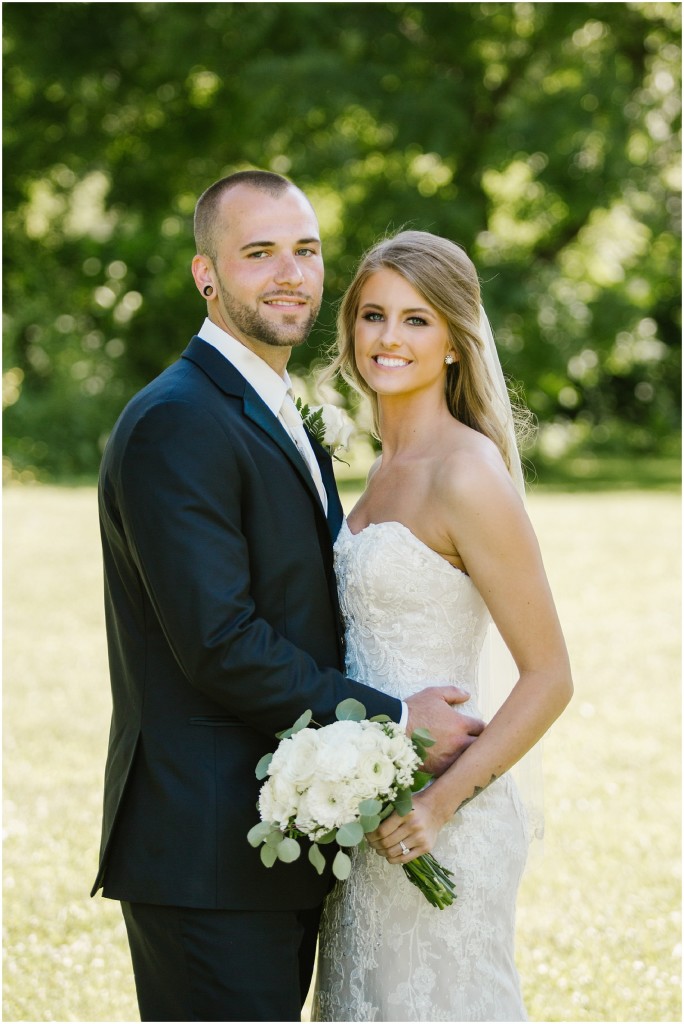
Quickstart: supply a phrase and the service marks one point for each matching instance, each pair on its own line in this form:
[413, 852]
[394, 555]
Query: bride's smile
[401, 341]
[392, 361]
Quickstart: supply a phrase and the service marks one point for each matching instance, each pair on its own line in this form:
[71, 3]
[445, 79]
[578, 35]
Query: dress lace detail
[385, 954]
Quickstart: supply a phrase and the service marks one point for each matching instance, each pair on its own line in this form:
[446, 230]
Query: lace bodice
[413, 620]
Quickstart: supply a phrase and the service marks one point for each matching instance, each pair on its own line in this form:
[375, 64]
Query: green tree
[542, 137]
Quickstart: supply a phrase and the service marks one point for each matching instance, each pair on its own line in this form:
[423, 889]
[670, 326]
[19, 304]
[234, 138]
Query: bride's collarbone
[415, 500]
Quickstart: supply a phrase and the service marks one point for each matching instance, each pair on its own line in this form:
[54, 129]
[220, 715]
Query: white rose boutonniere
[330, 425]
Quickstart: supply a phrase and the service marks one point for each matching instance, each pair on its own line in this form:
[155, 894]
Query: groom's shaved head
[206, 210]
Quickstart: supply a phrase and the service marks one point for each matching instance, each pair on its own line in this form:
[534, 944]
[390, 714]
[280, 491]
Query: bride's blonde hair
[443, 273]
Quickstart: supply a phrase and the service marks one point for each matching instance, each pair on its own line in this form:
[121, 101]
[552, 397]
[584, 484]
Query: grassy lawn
[599, 921]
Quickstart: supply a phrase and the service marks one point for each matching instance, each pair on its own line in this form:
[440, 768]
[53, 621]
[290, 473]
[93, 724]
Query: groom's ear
[203, 273]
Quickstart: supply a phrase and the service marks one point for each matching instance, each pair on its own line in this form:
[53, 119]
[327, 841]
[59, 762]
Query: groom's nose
[288, 270]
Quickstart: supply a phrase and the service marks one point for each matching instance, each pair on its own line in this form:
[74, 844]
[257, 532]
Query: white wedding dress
[385, 954]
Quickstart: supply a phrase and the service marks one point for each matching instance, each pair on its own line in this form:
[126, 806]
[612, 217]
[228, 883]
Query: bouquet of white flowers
[335, 783]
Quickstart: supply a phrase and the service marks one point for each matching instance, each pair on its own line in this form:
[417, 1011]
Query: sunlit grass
[599, 919]
[599, 932]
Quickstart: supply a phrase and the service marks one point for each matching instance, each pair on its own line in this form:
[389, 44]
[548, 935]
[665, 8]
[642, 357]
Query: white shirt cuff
[403, 721]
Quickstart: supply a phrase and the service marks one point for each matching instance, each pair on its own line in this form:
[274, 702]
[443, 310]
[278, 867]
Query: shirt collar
[269, 386]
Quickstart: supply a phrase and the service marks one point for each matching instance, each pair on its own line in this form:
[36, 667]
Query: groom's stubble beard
[254, 326]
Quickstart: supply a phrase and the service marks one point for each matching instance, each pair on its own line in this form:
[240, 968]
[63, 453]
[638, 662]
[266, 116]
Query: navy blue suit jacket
[223, 626]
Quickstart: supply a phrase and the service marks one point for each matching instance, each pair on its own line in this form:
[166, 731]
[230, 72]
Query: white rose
[338, 752]
[295, 758]
[337, 425]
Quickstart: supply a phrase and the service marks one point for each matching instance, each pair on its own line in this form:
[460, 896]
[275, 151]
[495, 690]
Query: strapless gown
[385, 954]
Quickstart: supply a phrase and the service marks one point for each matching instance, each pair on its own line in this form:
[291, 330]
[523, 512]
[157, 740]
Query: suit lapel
[335, 513]
[231, 381]
[259, 413]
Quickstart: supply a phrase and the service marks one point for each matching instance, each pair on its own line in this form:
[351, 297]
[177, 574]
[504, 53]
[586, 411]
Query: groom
[218, 515]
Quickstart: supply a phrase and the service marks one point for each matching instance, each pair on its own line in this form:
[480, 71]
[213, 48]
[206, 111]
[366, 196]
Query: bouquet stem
[433, 880]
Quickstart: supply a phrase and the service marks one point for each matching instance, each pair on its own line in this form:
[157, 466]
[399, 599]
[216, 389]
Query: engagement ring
[404, 847]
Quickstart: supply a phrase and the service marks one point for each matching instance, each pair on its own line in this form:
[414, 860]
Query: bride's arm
[492, 533]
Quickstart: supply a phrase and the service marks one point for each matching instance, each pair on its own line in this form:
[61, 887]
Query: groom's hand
[453, 732]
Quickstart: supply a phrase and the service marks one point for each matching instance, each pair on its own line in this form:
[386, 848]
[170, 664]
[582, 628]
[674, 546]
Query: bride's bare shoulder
[472, 469]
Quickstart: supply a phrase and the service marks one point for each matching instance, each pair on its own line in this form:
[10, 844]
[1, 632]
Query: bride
[438, 546]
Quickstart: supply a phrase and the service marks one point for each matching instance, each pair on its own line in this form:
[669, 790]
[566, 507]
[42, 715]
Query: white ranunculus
[306, 821]
[401, 750]
[378, 777]
[331, 804]
[278, 800]
[376, 769]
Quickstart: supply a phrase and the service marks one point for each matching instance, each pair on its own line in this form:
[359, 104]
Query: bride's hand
[418, 832]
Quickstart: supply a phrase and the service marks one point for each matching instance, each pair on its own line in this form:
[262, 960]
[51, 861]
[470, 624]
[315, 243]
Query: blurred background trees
[544, 137]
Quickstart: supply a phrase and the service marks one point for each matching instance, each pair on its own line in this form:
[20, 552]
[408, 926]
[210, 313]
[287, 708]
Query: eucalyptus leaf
[268, 856]
[424, 737]
[386, 811]
[284, 735]
[342, 866]
[420, 780]
[370, 807]
[350, 710]
[317, 858]
[420, 750]
[274, 838]
[288, 850]
[380, 718]
[263, 765]
[258, 833]
[329, 837]
[369, 822]
[403, 802]
[350, 834]
[301, 722]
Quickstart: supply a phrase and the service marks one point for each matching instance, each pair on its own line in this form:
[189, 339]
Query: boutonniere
[328, 424]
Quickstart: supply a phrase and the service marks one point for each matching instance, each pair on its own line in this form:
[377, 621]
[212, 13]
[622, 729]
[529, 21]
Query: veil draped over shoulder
[498, 672]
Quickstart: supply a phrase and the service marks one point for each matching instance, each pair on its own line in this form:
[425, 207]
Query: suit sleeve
[178, 491]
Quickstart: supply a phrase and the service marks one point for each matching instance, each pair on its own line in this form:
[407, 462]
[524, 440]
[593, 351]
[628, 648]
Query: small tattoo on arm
[476, 793]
